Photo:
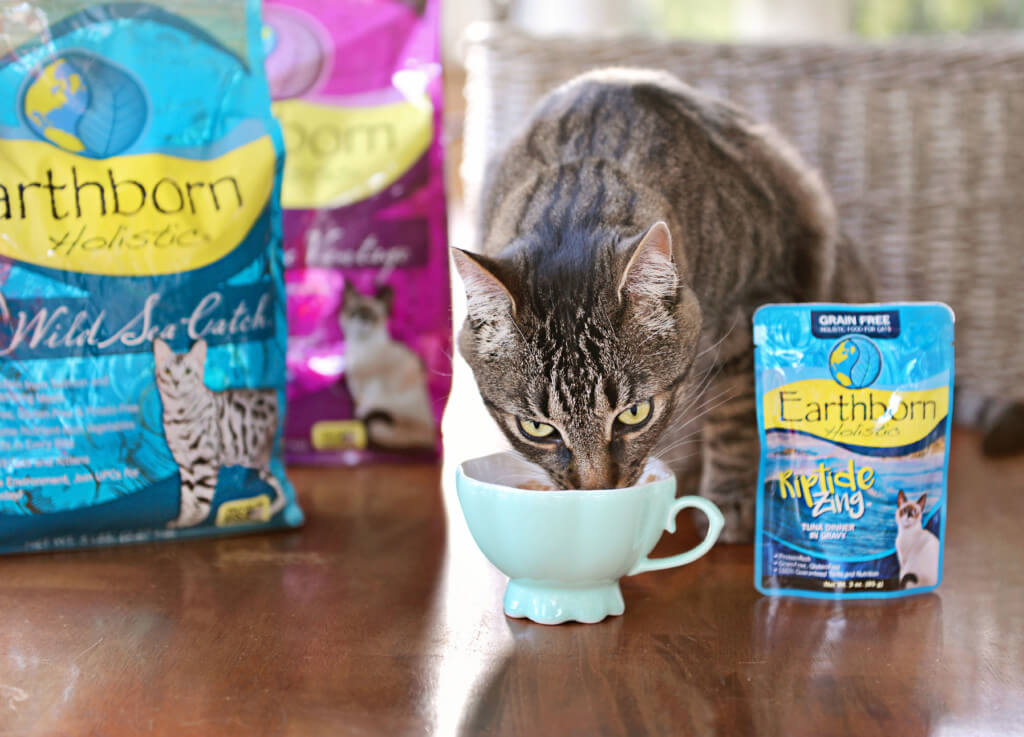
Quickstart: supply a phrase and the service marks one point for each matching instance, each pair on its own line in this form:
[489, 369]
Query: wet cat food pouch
[357, 85]
[142, 315]
[853, 407]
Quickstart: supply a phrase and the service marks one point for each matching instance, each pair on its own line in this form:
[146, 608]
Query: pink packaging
[357, 89]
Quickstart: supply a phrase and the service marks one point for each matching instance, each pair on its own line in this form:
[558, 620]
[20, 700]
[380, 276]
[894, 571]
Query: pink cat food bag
[357, 89]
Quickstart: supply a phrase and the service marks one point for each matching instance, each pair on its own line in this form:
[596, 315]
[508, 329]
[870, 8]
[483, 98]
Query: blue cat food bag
[853, 406]
[142, 319]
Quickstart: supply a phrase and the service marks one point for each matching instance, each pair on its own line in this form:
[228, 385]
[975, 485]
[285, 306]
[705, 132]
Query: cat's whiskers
[649, 338]
[692, 436]
[678, 458]
[718, 343]
[676, 461]
[726, 394]
[698, 398]
[697, 395]
[710, 374]
[678, 453]
[512, 319]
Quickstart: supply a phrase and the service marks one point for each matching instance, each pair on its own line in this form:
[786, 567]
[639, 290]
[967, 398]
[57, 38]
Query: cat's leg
[400, 433]
[279, 499]
[198, 483]
[730, 448]
[908, 580]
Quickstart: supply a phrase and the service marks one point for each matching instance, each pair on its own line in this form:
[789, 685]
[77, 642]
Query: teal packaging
[853, 409]
[142, 311]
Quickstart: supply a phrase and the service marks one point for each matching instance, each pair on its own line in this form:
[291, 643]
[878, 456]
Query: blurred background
[777, 21]
[722, 20]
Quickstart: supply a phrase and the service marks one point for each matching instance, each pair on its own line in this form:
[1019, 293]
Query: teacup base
[550, 603]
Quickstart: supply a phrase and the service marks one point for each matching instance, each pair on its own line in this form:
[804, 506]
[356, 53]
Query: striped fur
[208, 430]
[572, 317]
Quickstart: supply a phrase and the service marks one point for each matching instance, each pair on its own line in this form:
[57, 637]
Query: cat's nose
[597, 475]
[595, 480]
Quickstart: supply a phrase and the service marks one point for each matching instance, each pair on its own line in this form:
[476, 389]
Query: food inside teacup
[533, 485]
[513, 471]
[536, 486]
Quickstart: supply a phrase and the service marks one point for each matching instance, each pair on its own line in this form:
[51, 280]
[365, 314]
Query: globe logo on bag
[855, 362]
[268, 39]
[86, 105]
[297, 50]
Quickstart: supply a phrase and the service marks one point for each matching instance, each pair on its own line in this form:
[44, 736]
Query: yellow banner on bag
[339, 155]
[873, 417]
[137, 215]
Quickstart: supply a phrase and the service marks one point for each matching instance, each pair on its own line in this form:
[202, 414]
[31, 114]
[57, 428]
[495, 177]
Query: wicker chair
[922, 145]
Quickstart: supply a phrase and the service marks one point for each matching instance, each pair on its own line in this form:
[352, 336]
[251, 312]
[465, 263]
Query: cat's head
[362, 316]
[179, 373]
[580, 350]
[908, 513]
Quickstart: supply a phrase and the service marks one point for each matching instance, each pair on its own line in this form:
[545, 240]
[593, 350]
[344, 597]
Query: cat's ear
[901, 498]
[650, 271]
[922, 500]
[486, 296]
[386, 295]
[198, 352]
[161, 352]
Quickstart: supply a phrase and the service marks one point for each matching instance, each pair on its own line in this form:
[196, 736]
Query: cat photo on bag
[386, 379]
[207, 430]
[154, 321]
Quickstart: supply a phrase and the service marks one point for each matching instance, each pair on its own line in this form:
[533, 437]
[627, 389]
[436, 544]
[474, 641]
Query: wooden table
[382, 618]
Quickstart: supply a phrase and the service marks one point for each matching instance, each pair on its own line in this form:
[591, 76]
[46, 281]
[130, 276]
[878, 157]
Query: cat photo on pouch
[387, 380]
[916, 547]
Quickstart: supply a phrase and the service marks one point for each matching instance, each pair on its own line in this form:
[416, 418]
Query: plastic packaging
[358, 92]
[142, 332]
[854, 408]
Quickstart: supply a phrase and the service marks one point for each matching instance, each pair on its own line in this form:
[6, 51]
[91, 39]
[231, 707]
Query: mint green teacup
[565, 551]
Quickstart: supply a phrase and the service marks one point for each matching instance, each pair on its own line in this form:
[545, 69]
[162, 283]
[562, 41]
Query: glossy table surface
[380, 617]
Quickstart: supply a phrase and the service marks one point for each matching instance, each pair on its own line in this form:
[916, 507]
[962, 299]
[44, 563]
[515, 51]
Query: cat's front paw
[183, 522]
[259, 514]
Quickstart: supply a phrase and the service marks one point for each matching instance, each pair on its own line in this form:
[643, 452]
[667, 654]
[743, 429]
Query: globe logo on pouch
[855, 362]
[84, 104]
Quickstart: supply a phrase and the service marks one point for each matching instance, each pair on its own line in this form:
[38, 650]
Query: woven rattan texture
[921, 143]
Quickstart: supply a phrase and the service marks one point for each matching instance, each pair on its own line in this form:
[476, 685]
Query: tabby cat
[628, 234]
[207, 430]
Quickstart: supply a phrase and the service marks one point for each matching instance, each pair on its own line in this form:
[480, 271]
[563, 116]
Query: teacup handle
[715, 523]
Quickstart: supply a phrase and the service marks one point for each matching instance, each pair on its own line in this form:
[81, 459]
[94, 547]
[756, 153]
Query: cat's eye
[636, 415]
[536, 430]
[167, 370]
[188, 370]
